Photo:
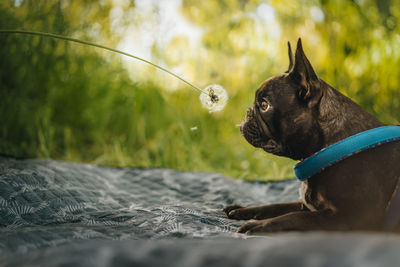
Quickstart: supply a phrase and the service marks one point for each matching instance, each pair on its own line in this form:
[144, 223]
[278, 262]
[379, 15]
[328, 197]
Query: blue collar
[345, 148]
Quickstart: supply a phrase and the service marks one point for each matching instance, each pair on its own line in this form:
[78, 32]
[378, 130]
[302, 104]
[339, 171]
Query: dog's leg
[295, 221]
[263, 212]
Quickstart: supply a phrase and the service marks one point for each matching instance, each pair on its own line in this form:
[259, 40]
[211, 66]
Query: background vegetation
[71, 102]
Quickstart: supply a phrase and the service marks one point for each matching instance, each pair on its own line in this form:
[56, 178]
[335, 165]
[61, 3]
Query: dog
[295, 115]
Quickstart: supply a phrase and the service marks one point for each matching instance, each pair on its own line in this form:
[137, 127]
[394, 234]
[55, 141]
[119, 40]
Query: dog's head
[284, 117]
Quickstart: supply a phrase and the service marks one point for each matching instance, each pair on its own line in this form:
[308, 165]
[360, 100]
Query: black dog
[297, 114]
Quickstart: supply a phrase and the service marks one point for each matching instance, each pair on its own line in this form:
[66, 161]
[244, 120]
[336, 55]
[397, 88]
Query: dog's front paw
[256, 227]
[239, 213]
[231, 208]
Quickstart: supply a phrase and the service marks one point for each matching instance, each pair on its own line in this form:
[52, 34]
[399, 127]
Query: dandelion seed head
[215, 97]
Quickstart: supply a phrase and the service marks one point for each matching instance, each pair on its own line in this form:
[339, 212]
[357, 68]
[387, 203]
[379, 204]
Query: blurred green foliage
[72, 102]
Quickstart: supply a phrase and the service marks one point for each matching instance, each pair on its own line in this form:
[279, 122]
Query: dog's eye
[265, 106]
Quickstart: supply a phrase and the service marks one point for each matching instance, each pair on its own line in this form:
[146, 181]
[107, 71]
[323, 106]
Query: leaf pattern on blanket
[47, 203]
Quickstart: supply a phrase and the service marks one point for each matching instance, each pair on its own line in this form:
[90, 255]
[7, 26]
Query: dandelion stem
[66, 38]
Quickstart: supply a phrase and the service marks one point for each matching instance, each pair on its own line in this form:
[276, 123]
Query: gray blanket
[55, 213]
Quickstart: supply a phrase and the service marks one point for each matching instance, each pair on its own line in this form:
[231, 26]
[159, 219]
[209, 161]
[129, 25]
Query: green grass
[66, 102]
[144, 127]
[76, 103]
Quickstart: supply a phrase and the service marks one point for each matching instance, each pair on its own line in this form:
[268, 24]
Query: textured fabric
[47, 203]
[64, 214]
[345, 148]
[281, 250]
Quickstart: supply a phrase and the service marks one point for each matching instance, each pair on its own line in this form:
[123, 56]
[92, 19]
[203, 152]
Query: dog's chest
[302, 192]
[310, 197]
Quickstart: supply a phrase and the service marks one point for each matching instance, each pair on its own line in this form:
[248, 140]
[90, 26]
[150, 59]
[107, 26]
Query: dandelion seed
[214, 98]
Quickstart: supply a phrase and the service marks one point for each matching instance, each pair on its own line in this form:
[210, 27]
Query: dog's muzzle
[257, 133]
[251, 131]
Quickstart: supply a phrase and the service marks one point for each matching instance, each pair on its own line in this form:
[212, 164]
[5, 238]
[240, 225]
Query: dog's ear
[291, 58]
[303, 74]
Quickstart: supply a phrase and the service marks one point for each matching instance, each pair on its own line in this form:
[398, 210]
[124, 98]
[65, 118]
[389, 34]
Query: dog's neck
[339, 117]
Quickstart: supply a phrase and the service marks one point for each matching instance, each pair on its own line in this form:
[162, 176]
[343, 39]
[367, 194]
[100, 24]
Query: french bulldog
[296, 114]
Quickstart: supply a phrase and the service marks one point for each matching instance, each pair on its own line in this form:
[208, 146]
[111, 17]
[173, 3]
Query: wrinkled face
[284, 117]
[280, 121]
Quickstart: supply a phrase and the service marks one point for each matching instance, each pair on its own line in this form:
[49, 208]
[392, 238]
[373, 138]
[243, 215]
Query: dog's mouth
[257, 133]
